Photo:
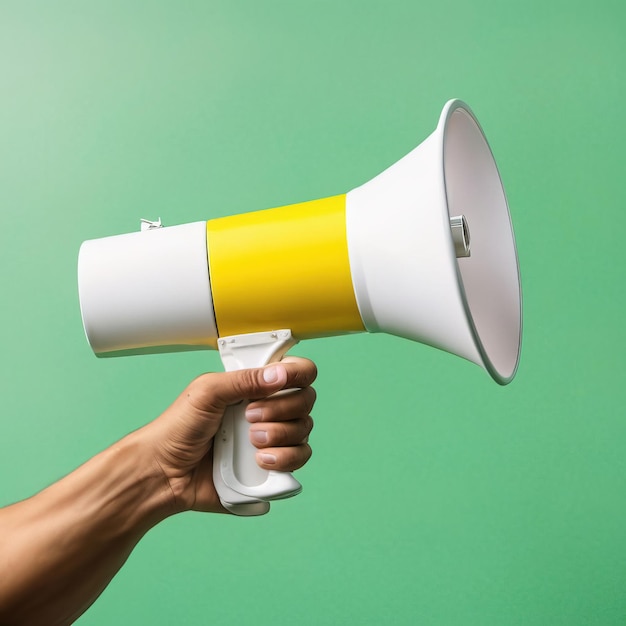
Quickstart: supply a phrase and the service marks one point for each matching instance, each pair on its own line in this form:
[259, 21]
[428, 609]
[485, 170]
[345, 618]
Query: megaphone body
[424, 251]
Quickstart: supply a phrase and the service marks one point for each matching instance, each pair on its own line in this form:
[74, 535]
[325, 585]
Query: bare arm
[60, 548]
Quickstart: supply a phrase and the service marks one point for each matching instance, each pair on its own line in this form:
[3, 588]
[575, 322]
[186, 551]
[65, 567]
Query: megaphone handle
[243, 487]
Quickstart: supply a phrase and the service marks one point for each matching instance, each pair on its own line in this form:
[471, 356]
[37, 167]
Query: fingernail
[270, 374]
[254, 415]
[268, 459]
[259, 436]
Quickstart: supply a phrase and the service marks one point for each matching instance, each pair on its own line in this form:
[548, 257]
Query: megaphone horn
[425, 251]
[408, 234]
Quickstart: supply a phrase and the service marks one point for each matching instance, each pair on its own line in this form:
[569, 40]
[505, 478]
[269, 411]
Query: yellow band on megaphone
[283, 268]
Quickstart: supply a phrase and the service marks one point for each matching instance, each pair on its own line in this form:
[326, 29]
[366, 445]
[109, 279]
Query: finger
[214, 392]
[288, 405]
[286, 459]
[281, 433]
[300, 372]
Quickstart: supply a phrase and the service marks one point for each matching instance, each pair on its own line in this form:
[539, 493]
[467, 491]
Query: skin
[60, 548]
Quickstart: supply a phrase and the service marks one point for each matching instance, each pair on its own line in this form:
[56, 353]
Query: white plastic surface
[490, 278]
[407, 279]
[244, 488]
[147, 291]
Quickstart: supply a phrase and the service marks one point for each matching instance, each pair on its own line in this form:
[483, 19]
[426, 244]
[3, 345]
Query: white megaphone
[394, 255]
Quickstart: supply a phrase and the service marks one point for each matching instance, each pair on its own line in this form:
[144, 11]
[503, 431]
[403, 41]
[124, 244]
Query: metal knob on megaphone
[425, 251]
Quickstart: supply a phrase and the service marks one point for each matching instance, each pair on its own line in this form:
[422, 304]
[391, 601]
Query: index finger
[299, 372]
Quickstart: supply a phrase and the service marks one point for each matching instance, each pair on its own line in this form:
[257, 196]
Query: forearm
[60, 548]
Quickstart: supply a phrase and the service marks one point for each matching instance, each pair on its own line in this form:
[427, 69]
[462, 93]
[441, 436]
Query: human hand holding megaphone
[424, 251]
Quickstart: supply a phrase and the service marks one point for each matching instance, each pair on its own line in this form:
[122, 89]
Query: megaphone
[425, 251]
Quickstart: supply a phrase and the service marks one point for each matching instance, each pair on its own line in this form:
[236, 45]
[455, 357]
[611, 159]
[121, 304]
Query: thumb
[212, 393]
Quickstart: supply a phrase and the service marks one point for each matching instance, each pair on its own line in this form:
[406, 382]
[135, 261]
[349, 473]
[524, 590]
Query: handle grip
[243, 487]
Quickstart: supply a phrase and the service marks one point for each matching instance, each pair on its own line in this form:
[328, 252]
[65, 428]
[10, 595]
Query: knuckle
[307, 368]
[275, 435]
[304, 373]
[303, 432]
[308, 425]
[282, 434]
[292, 458]
[304, 453]
[200, 384]
[310, 372]
[308, 399]
[198, 394]
[244, 381]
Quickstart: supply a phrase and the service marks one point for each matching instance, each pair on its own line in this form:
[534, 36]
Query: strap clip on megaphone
[394, 255]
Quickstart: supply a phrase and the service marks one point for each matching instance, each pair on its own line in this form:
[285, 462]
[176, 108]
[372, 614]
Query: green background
[434, 496]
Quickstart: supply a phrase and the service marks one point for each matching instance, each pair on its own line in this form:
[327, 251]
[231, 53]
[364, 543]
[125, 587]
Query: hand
[181, 438]
[63, 545]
